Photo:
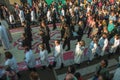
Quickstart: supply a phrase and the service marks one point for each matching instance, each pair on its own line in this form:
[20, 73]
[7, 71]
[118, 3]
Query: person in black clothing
[28, 16]
[66, 37]
[28, 33]
[62, 26]
[54, 19]
[80, 30]
[44, 32]
[25, 41]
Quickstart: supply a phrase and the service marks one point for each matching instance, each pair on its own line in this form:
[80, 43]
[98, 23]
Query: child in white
[79, 52]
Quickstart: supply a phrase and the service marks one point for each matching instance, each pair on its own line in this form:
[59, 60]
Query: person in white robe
[58, 54]
[30, 59]
[62, 12]
[79, 52]
[49, 19]
[33, 16]
[43, 54]
[5, 24]
[103, 43]
[4, 38]
[92, 50]
[12, 20]
[21, 16]
[114, 44]
[11, 62]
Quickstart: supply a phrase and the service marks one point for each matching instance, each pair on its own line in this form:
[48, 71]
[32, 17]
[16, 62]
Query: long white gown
[21, 16]
[30, 59]
[92, 50]
[79, 54]
[4, 38]
[58, 54]
[32, 15]
[114, 46]
[44, 58]
[103, 43]
[5, 24]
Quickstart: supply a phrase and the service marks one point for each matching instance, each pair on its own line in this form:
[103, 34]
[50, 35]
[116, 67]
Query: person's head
[104, 35]
[104, 63]
[110, 21]
[69, 76]
[42, 46]
[82, 43]
[57, 42]
[71, 69]
[8, 55]
[34, 76]
[117, 36]
[95, 40]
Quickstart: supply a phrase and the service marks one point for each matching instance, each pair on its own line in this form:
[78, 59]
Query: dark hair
[71, 69]
[8, 55]
[106, 62]
[34, 76]
[27, 48]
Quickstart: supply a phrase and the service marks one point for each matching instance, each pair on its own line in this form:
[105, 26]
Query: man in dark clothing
[28, 33]
[54, 20]
[28, 17]
[44, 32]
[66, 37]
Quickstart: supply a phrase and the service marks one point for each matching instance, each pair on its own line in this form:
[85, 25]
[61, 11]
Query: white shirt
[43, 55]
[116, 42]
[12, 63]
[30, 59]
[58, 50]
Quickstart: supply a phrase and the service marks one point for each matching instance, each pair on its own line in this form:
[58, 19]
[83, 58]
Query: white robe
[21, 16]
[79, 54]
[12, 19]
[58, 54]
[5, 24]
[116, 43]
[103, 43]
[92, 50]
[32, 15]
[44, 58]
[49, 16]
[30, 59]
[4, 38]
[12, 63]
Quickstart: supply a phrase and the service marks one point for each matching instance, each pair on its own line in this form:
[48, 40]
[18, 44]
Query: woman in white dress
[79, 52]
[58, 54]
[92, 50]
[43, 56]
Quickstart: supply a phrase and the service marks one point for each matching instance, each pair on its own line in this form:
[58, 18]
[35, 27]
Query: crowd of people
[98, 19]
